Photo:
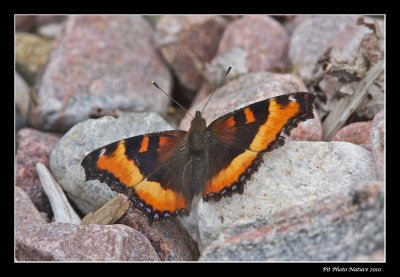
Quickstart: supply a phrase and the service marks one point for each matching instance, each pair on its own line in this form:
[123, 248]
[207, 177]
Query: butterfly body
[162, 172]
[197, 160]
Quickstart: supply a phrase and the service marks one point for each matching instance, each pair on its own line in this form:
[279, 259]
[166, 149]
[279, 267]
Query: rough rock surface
[295, 174]
[185, 40]
[70, 242]
[345, 226]
[34, 146]
[100, 64]
[170, 239]
[264, 40]
[25, 212]
[357, 133]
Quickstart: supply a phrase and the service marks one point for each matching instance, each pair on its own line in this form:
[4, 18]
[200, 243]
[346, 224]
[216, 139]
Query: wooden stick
[109, 213]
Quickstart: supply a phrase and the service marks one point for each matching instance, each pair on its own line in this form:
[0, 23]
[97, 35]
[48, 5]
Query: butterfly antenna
[157, 86]
[218, 86]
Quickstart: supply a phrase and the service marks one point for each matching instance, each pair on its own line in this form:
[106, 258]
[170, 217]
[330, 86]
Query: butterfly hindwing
[238, 139]
[145, 168]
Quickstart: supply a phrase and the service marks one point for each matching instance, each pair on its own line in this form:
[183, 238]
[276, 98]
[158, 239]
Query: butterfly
[161, 172]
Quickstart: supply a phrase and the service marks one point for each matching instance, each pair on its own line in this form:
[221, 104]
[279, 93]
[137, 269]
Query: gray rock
[293, 175]
[84, 137]
[345, 226]
[21, 95]
[70, 242]
[50, 30]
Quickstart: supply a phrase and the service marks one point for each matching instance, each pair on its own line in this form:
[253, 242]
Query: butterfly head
[198, 122]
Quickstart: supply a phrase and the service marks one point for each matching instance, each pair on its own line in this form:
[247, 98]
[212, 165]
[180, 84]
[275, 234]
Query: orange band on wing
[277, 118]
[159, 198]
[152, 193]
[119, 165]
[231, 174]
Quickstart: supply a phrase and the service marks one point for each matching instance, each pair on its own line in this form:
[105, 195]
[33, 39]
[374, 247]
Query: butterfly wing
[238, 139]
[146, 168]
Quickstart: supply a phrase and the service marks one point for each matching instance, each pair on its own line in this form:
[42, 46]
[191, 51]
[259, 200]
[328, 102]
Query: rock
[262, 38]
[84, 137]
[357, 133]
[34, 147]
[21, 95]
[250, 88]
[100, 64]
[214, 72]
[25, 212]
[50, 30]
[345, 226]
[70, 242]
[31, 52]
[378, 142]
[170, 239]
[183, 40]
[292, 175]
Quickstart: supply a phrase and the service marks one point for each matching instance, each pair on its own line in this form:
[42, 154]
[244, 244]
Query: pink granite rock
[70, 242]
[198, 34]
[25, 211]
[34, 146]
[100, 64]
[170, 239]
[263, 38]
[357, 133]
